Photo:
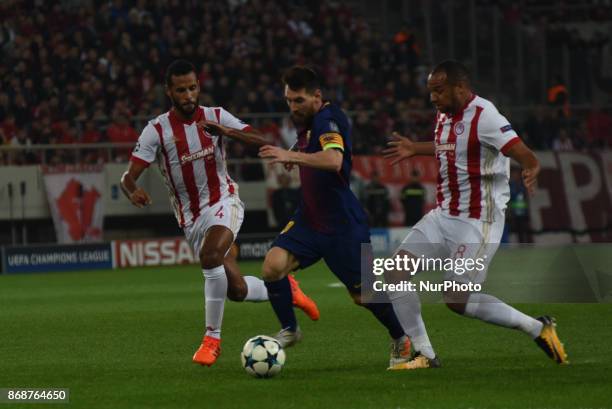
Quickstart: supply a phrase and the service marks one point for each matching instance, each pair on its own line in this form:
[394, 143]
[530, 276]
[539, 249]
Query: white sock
[407, 306]
[215, 290]
[256, 289]
[493, 310]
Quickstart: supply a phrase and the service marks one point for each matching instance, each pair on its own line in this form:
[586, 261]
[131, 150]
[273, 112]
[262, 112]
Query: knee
[211, 258]
[273, 268]
[456, 301]
[237, 292]
[272, 271]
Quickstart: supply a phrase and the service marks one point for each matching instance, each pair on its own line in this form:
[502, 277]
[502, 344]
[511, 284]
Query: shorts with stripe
[441, 236]
[228, 212]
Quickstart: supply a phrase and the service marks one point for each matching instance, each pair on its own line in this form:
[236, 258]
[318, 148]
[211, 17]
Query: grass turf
[124, 339]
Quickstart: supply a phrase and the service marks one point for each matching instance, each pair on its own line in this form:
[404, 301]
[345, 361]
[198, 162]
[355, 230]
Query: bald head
[449, 86]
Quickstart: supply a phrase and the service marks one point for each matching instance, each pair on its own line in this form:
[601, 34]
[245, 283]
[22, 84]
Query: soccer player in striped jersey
[472, 144]
[188, 144]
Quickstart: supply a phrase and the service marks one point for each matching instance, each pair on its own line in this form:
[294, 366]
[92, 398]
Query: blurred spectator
[563, 142]
[599, 127]
[377, 201]
[284, 200]
[364, 134]
[91, 134]
[518, 211]
[413, 197]
[542, 126]
[114, 59]
[558, 97]
[120, 131]
[8, 128]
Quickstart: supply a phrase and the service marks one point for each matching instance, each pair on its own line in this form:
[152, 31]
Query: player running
[187, 143]
[472, 143]
[329, 222]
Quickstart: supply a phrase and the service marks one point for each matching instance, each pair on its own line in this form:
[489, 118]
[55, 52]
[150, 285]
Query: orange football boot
[302, 301]
[208, 352]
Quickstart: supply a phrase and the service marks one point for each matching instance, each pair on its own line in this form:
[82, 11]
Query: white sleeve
[147, 146]
[229, 120]
[495, 130]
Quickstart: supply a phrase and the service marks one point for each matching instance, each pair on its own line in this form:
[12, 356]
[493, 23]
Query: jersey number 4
[219, 213]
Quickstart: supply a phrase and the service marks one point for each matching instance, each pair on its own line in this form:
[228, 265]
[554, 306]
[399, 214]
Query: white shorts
[441, 236]
[228, 212]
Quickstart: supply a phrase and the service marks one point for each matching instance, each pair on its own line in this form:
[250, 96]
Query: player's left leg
[279, 262]
[295, 247]
[401, 348]
[242, 288]
[471, 242]
[343, 257]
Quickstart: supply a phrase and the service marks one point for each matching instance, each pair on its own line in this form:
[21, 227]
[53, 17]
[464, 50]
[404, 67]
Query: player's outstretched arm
[529, 164]
[329, 159]
[401, 148]
[251, 137]
[135, 194]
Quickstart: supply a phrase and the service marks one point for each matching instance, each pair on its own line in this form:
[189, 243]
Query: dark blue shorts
[341, 252]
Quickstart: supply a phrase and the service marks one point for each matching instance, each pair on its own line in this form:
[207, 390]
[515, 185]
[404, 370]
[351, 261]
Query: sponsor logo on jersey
[506, 128]
[459, 128]
[443, 147]
[203, 154]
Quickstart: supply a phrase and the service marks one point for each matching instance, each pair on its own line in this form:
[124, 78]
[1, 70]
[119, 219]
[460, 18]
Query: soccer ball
[262, 356]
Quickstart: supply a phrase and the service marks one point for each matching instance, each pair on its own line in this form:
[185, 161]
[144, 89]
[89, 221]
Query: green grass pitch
[124, 339]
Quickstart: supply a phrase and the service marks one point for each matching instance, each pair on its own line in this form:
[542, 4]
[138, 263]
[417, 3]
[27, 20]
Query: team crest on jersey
[458, 128]
[203, 154]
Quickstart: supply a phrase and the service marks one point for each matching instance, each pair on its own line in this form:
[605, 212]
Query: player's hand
[213, 128]
[276, 154]
[140, 198]
[530, 178]
[399, 148]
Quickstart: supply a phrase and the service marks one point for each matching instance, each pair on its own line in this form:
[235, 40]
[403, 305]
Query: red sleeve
[509, 145]
[136, 159]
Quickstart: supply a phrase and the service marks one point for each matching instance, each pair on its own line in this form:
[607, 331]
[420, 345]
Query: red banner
[75, 200]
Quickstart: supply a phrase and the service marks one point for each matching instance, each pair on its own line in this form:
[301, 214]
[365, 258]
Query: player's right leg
[423, 240]
[216, 243]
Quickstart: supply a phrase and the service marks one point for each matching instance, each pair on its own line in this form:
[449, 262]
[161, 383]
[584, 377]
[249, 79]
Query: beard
[300, 120]
[187, 110]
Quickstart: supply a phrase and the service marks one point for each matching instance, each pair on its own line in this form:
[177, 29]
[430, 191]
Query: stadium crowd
[92, 71]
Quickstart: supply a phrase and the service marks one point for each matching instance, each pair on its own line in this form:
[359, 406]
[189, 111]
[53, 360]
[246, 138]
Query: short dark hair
[301, 77]
[178, 67]
[455, 72]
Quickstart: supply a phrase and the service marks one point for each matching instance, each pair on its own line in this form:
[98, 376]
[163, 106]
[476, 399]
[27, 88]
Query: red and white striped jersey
[474, 172]
[191, 160]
